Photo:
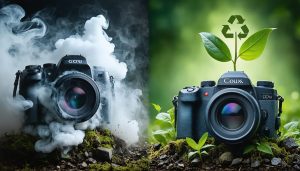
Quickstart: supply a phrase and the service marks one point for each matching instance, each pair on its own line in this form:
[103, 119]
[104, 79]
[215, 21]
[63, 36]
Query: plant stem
[235, 51]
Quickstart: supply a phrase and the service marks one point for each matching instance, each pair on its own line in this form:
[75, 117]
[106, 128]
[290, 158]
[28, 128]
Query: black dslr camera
[233, 111]
[77, 91]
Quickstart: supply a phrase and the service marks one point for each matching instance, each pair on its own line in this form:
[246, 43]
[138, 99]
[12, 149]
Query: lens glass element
[231, 115]
[75, 97]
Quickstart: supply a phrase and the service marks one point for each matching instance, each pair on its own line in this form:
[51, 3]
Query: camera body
[75, 90]
[233, 111]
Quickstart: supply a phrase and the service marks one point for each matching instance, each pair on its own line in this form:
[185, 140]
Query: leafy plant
[290, 129]
[165, 131]
[263, 147]
[251, 49]
[198, 147]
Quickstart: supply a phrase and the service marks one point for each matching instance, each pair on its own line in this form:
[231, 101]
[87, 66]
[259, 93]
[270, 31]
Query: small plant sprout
[165, 125]
[198, 147]
[263, 147]
[251, 49]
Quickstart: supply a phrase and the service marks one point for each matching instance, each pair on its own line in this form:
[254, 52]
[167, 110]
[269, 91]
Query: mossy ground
[17, 153]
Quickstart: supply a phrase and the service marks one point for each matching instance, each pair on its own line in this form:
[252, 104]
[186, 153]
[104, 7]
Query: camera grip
[184, 119]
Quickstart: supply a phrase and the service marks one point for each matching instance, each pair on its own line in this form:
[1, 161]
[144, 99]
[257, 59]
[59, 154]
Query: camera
[233, 111]
[77, 91]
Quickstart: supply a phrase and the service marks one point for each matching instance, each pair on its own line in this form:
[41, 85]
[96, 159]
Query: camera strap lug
[281, 100]
[16, 83]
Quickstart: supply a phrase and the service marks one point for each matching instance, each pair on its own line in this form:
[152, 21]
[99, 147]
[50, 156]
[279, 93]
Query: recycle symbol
[244, 29]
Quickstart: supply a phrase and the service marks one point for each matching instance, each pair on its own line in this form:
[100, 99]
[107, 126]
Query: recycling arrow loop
[225, 29]
[240, 20]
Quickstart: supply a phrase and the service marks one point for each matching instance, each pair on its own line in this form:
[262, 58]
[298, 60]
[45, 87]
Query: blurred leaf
[192, 154]
[202, 140]
[249, 148]
[204, 152]
[215, 47]
[192, 143]
[207, 146]
[265, 148]
[165, 117]
[160, 138]
[253, 47]
[156, 107]
[291, 125]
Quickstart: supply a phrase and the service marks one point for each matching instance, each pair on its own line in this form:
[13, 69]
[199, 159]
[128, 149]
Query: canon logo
[75, 61]
[233, 81]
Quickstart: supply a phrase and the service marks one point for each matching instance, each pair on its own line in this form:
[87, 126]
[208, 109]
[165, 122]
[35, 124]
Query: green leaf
[202, 140]
[192, 143]
[254, 46]
[192, 154]
[215, 47]
[165, 117]
[265, 148]
[160, 138]
[207, 146]
[291, 125]
[249, 148]
[204, 152]
[156, 107]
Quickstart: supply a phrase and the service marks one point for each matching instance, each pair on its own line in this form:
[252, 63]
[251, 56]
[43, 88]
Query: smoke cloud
[20, 47]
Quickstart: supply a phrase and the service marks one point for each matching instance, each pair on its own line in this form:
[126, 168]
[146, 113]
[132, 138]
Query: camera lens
[78, 97]
[75, 97]
[231, 115]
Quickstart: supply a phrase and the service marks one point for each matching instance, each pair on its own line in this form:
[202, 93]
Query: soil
[17, 153]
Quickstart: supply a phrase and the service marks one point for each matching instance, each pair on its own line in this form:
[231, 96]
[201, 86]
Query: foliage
[165, 131]
[290, 129]
[198, 147]
[251, 49]
[262, 146]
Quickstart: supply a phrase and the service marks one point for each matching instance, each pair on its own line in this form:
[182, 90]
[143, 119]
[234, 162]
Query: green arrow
[238, 17]
[225, 29]
[245, 32]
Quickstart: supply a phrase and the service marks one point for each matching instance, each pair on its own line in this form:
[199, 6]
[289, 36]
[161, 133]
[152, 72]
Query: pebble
[86, 154]
[102, 154]
[276, 161]
[290, 143]
[83, 164]
[226, 158]
[236, 161]
[246, 161]
[181, 165]
[157, 146]
[297, 167]
[266, 161]
[255, 164]
[163, 157]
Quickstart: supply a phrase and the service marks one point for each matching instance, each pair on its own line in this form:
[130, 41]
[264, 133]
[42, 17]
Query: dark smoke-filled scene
[137, 85]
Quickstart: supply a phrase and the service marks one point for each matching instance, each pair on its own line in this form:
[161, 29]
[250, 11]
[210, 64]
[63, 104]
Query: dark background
[128, 27]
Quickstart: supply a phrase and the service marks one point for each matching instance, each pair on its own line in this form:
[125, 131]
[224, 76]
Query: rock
[195, 162]
[181, 165]
[255, 164]
[236, 161]
[86, 154]
[91, 160]
[246, 161]
[296, 167]
[156, 146]
[83, 164]
[276, 161]
[266, 161]
[70, 164]
[162, 157]
[225, 158]
[102, 154]
[290, 143]
[170, 166]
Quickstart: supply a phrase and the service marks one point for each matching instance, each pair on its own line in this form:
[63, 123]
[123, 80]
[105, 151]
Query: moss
[178, 146]
[94, 139]
[100, 166]
[136, 165]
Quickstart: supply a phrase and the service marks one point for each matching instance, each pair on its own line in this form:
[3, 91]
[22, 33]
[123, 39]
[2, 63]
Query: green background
[178, 57]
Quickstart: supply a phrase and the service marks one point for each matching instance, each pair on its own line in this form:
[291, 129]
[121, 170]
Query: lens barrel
[232, 116]
[77, 97]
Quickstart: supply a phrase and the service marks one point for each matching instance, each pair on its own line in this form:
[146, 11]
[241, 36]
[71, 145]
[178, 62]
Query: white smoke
[19, 48]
